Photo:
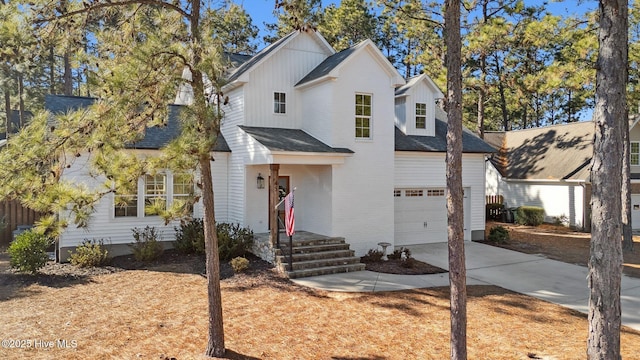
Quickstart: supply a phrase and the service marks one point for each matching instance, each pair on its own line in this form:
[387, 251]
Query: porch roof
[291, 140]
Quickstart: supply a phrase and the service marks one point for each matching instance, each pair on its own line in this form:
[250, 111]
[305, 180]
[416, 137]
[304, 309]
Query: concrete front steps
[315, 254]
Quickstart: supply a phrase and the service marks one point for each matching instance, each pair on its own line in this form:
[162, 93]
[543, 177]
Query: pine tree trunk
[605, 260]
[627, 231]
[7, 108]
[215, 343]
[457, 268]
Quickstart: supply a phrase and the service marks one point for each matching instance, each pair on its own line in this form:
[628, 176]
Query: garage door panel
[420, 219]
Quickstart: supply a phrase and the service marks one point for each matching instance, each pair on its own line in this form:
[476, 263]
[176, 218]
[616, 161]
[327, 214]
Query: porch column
[273, 200]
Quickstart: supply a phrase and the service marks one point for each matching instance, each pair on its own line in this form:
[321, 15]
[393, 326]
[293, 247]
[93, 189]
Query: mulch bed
[397, 266]
[63, 274]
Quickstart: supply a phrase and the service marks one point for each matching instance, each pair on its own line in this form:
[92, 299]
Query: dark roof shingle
[154, 138]
[438, 143]
[278, 139]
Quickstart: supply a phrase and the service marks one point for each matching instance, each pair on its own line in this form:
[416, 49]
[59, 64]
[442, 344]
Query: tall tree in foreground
[605, 260]
[144, 45]
[457, 268]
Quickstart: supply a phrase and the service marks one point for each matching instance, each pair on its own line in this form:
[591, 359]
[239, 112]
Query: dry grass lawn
[153, 314]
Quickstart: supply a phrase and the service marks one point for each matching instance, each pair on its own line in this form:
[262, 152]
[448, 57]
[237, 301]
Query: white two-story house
[363, 148]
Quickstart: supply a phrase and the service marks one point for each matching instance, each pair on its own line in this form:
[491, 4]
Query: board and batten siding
[362, 198]
[420, 94]
[417, 169]
[319, 112]
[234, 116]
[279, 73]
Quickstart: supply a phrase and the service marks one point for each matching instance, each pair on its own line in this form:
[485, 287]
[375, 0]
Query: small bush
[373, 255]
[190, 237]
[146, 247]
[239, 264]
[233, 240]
[530, 215]
[499, 234]
[90, 254]
[28, 252]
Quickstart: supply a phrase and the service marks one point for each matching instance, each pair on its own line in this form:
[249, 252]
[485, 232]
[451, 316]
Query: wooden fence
[14, 215]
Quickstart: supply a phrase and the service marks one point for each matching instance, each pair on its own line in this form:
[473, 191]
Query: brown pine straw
[143, 314]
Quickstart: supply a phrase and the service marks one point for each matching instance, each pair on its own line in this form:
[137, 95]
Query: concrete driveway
[533, 275]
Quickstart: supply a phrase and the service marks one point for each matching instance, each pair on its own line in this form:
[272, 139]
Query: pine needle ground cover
[161, 313]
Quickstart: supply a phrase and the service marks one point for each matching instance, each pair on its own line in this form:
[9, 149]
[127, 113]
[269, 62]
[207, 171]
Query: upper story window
[279, 103]
[421, 116]
[363, 116]
[634, 153]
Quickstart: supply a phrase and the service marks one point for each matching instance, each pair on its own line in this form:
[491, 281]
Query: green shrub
[530, 215]
[373, 255]
[190, 237]
[239, 264]
[28, 252]
[499, 234]
[146, 246]
[91, 253]
[233, 240]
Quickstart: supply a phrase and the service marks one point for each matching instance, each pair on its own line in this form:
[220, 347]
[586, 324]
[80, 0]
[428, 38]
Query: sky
[261, 11]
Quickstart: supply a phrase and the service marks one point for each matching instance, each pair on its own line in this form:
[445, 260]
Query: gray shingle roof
[438, 143]
[327, 65]
[277, 139]
[557, 152]
[154, 138]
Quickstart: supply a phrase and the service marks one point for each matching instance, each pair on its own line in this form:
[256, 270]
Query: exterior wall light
[260, 181]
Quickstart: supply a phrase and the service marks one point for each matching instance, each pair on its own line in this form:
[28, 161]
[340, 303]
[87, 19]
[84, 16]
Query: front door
[283, 190]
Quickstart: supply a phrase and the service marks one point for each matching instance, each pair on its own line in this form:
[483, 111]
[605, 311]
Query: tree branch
[108, 4]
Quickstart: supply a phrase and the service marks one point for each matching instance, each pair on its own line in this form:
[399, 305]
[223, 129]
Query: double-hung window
[126, 203]
[363, 116]
[279, 103]
[155, 194]
[634, 153]
[421, 116]
[183, 190]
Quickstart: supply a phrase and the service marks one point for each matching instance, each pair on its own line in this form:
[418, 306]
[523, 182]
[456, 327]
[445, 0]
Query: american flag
[289, 218]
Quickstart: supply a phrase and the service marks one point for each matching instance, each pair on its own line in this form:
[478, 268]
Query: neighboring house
[14, 125]
[364, 150]
[550, 167]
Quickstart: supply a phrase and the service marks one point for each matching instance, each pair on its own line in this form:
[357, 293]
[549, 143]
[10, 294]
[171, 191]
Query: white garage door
[421, 216]
[635, 211]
